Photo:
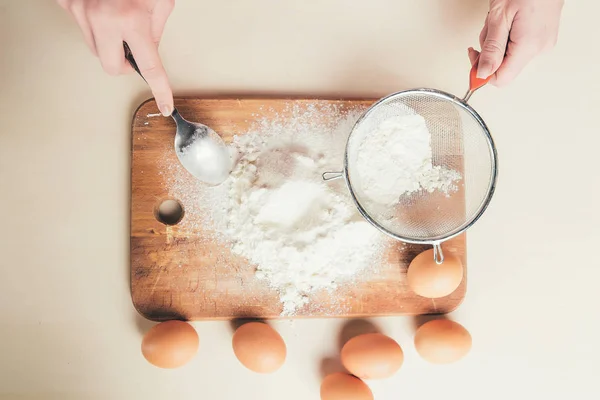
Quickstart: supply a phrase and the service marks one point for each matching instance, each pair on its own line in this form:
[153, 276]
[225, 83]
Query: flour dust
[303, 235]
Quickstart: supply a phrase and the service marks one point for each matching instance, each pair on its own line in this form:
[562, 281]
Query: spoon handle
[129, 57]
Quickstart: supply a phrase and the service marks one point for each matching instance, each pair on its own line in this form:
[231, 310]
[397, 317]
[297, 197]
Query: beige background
[68, 329]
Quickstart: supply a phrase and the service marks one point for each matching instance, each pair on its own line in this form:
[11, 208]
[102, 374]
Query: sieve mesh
[460, 141]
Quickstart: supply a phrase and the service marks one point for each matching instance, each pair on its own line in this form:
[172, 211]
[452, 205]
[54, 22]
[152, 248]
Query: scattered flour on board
[301, 234]
[396, 159]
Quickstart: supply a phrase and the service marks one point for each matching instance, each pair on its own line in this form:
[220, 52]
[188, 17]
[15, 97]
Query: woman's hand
[106, 24]
[515, 31]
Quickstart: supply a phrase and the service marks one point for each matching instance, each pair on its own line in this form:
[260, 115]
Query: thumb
[494, 46]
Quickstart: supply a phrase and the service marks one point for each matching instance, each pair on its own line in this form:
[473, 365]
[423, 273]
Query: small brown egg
[372, 356]
[442, 341]
[429, 279]
[340, 386]
[170, 344]
[259, 347]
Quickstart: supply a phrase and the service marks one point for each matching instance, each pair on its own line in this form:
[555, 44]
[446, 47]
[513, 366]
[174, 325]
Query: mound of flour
[396, 159]
[302, 234]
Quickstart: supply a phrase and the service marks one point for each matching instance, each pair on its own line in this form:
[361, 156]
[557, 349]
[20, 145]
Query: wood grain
[181, 272]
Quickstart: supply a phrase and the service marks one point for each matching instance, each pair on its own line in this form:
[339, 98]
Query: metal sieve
[460, 141]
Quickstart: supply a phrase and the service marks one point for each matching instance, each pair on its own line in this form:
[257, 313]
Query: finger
[77, 11]
[150, 65]
[64, 4]
[160, 14]
[473, 55]
[110, 47]
[474, 58]
[126, 68]
[483, 34]
[494, 45]
[517, 57]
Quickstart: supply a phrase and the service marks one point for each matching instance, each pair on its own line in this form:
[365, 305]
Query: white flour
[396, 159]
[302, 234]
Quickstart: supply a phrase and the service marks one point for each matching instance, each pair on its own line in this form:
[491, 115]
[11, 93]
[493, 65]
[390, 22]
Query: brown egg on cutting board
[442, 341]
[340, 386]
[372, 356]
[428, 279]
[170, 344]
[259, 347]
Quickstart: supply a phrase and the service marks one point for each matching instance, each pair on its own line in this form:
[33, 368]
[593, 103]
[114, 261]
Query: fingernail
[484, 70]
[166, 110]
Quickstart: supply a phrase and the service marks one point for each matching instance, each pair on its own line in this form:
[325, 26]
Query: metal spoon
[199, 148]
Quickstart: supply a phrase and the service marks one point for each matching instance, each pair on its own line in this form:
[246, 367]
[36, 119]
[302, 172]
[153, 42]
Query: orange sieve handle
[475, 82]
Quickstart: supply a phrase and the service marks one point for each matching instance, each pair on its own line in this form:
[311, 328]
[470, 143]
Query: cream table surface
[68, 329]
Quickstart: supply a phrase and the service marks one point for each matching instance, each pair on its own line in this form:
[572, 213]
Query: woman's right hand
[106, 24]
[515, 31]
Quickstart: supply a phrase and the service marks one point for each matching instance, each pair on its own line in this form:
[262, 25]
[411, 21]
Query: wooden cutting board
[179, 272]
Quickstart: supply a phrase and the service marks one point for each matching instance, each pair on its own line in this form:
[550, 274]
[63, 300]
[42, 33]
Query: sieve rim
[491, 147]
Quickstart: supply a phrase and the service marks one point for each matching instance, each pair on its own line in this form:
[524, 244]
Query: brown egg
[372, 356]
[259, 347]
[429, 279]
[442, 341]
[340, 386]
[170, 344]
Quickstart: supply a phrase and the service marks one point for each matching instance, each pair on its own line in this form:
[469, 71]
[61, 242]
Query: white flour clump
[302, 234]
[396, 159]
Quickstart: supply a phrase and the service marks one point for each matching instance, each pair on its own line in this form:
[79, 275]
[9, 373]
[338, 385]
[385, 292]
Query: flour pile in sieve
[302, 234]
[396, 160]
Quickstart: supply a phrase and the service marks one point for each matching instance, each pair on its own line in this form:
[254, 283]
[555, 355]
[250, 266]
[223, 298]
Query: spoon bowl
[201, 151]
